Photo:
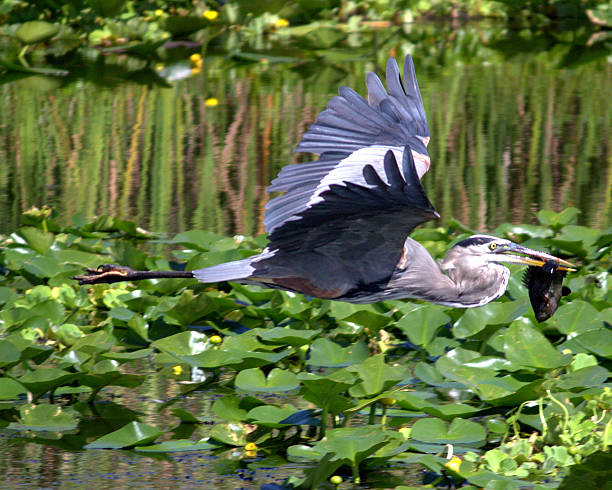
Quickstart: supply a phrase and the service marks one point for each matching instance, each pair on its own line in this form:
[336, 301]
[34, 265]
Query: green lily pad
[11, 389]
[36, 238]
[233, 408]
[44, 418]
[270, 415]
[287, 336]
[324, 391]
[526, 346]
[583, 378]
[9, 354]
[177, 445]
[43, 380]
[376, 376]
[597, 341]
[460, 431]
[232, 434]
[278, 381]
[421, 323]
[35, 31]
[325, 353]
[132, 434]
[577, 317]
[474, 320]
[352, 444]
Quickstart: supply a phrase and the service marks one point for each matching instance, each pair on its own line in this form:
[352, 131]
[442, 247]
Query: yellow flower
[453, 464]
[195, 57]
[176, 370]
[281, 23]
[250, 446]
[250, 454]
[405, 432]
[212, 102]
[211, 14]
[159, 13]
[195, 70]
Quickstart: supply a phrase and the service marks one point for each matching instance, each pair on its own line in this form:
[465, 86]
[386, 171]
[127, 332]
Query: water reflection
[509, 138]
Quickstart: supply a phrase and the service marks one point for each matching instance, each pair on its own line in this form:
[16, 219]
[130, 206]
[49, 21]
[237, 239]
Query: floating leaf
[177, 445]
[38, 239]
[44, 418]
[577, 317]
[43, 380]
[271, 415]
[352, 444]
[376, 376]
[421, 323]
[287, 336]
[233, 434]
[233, 408]
[35, 31]
[597, 341]
[11, 389]
[325, 353]
[460, 431]
[132, 434]
[278, 381]
[474, 320]
[526, 346]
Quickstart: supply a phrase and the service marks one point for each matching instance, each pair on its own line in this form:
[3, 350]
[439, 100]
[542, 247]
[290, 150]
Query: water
[513, 131]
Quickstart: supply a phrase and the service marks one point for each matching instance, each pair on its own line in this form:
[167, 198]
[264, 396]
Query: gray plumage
[341, 229]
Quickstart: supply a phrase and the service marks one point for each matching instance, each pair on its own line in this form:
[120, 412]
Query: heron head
[499, 250]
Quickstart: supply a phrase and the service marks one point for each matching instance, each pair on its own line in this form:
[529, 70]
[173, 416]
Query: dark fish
[545, 285]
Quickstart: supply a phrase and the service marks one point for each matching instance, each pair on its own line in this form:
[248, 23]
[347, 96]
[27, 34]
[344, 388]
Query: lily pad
[460, 431]
[271, 415]
[44, 418]
[325, 353]
[526, 346]
[376, 376]
[278, 381]
[352, 444]
[35, 31]
[177, 445]
[133, 434]
[11, 389]
[233, 434]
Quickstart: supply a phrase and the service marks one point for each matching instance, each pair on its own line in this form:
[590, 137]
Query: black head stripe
[474, 240]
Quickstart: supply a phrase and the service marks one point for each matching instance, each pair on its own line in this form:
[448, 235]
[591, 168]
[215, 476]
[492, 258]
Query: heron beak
[531, 257]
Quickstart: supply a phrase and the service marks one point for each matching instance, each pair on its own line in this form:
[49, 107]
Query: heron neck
[464, 284]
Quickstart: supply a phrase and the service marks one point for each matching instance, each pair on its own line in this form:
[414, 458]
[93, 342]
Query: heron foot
[105, 274]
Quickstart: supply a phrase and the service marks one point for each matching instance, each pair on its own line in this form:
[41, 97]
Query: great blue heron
[341, 229]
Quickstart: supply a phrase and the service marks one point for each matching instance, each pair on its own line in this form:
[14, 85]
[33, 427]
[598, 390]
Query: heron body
[341, 229]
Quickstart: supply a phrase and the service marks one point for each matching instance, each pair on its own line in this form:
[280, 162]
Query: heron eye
[493, 246]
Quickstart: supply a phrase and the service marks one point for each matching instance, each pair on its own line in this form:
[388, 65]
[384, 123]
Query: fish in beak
[517, 254]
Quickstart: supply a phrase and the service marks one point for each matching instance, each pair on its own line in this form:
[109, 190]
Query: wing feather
[357, 178]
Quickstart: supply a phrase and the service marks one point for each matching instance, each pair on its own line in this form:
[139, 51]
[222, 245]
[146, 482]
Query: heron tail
[230, 271]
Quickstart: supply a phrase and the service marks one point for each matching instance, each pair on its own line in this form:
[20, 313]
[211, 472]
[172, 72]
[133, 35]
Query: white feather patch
[350, 169]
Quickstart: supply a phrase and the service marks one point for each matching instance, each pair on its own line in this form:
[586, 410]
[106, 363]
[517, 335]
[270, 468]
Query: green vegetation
[59, 37]
[356, 387]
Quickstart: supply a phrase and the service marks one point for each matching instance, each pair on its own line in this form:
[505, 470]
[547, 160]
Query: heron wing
[357, 228]
[390, 118]
[350, 134]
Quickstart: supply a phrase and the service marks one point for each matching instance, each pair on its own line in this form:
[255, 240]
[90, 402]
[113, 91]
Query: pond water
[513, 131]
